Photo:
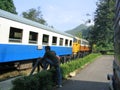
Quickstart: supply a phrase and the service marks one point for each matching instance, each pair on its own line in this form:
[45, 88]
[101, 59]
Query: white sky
[61, 14]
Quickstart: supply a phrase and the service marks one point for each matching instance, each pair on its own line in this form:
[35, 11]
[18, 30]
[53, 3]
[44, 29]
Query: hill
[83, 29]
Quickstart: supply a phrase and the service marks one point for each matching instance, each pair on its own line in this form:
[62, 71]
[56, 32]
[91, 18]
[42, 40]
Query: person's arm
[58, 58]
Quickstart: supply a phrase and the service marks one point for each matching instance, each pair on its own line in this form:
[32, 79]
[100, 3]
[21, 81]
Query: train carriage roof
[17, 18]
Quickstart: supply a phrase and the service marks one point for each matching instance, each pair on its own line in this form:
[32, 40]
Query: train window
[66, 42]
[15, 35]
[61, 42]
[33, 37]
[54, 40]
[70, 43]
[45, 39]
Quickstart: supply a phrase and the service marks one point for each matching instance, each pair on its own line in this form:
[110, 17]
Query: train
[80, 47]
[23, 41]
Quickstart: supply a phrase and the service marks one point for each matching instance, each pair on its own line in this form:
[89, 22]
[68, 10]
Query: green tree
[102, 33]
[34, 15]
[8, 5]
[78, 34]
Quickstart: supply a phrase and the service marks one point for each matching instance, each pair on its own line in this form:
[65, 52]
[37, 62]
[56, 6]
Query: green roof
[20, 19]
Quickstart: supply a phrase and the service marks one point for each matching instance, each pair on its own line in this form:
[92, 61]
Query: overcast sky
[61, 14]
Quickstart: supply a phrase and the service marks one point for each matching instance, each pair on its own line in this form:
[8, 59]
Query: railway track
[13, 72]
[15, 69]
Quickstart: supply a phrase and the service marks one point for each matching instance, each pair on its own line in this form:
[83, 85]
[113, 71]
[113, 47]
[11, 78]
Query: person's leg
[49, 61]
[45, 65]
[59, 76]
[46, 62]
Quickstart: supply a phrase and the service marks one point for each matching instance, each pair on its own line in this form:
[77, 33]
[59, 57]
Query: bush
[26, 83]
[40, 81]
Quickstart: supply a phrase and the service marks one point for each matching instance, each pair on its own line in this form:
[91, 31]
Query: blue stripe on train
[14, 52]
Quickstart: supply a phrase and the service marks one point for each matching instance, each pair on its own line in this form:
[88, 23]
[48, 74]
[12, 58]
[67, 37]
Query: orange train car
[81, 47]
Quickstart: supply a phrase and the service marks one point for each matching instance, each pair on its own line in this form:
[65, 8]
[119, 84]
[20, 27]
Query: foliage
[34, 15]
[80, 31]
[78, 34]
[102, 32]
[40, 81]
[8, 5]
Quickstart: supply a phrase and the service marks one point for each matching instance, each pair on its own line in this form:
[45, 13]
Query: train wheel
[69, 58]
[63, 59]
[79, 55]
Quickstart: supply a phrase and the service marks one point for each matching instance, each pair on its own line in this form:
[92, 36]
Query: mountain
[81, 29]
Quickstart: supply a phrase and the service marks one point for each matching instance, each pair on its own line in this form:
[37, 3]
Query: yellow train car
[81, 47]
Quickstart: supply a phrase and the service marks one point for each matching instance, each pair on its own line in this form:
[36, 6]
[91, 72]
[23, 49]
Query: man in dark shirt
[51, 58]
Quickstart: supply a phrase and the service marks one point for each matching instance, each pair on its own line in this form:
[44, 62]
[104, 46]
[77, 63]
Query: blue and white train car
[22, 39]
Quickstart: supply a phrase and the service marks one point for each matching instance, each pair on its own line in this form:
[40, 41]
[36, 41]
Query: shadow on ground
[84, 85]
